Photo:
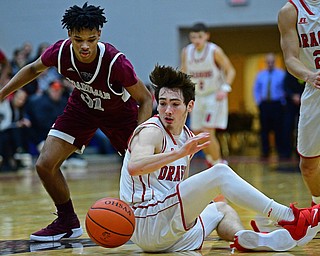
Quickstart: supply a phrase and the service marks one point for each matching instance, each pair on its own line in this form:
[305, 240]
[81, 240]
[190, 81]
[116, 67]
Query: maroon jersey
[99, 86]
[99, 98]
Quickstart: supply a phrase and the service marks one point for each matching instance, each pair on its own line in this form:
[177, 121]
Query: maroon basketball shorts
[78, 128]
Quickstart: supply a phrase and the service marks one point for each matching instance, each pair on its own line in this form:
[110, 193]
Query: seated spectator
[18, 61]
[41, 83]
[26, 49]
[13, 126]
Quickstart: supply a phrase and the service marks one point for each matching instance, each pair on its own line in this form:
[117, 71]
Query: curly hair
[89, 16]
[168, 77]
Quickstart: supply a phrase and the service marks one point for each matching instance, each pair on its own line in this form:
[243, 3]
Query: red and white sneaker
[278, 240]
[306, 224]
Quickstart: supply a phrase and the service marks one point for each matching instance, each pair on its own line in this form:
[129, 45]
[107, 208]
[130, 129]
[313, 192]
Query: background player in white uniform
[213, 74]
[173, 212]
[299, 25]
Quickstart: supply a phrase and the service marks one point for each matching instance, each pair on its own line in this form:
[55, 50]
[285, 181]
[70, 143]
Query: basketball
[110, 222]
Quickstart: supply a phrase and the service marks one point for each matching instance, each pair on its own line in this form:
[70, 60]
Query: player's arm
[24, 76]
[289, 41]
[146, 147]
[183, 67]
[143, 97]
[225, 65]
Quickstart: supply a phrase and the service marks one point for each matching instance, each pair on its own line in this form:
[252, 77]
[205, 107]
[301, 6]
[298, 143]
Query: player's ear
[190, 106]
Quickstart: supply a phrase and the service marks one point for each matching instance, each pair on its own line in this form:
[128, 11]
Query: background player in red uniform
[106, 95]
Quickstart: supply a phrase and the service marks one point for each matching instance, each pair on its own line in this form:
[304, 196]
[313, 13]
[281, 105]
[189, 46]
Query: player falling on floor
[173, 211]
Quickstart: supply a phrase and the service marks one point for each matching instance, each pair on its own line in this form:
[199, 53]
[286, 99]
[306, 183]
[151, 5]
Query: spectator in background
[13, 129]
[269, 96]
[27, 51]
[41, 83]
[49, 74]
[5, 69]
[18, 61]
[293, 88]
[42, 110]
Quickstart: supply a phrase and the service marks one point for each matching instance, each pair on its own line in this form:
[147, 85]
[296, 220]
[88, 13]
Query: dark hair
[88, 16]
[198, 27]
[168, 77]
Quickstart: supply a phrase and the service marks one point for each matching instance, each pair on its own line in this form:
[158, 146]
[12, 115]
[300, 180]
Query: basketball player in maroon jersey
[106, 95]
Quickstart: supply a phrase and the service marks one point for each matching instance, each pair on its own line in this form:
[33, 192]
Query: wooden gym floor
[25, 206]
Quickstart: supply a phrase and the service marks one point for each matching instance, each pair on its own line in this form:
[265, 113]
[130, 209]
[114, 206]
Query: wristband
[226, 88]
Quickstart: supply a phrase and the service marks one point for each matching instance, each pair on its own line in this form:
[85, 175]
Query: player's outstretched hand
[196, 143]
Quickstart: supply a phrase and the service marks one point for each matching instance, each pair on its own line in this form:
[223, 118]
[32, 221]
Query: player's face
[199, 39]
[172, 109]
[84, 43]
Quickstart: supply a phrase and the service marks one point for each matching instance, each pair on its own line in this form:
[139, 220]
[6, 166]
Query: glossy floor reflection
[25, 206]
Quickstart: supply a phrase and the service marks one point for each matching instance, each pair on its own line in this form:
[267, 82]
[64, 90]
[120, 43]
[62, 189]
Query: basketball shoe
[278, 240]
[306, 224]
[62, 227]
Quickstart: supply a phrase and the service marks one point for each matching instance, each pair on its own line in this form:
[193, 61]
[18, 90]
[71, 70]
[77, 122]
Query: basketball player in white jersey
[299, 26]
[174, 212]
[213, 74]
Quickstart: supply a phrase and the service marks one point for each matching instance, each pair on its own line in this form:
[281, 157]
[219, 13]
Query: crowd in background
[27, 115]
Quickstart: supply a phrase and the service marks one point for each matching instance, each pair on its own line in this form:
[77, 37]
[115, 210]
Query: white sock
[316, 199]
[278, 212]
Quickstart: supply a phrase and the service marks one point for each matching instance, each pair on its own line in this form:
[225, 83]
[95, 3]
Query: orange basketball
[110, 222]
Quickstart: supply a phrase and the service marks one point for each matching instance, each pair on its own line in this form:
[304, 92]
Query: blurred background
[153, 31]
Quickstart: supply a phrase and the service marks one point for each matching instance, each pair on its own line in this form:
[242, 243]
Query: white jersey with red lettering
[203, 70]
[136, 189]
[156, 201]
[208, 112]
[308, 27]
